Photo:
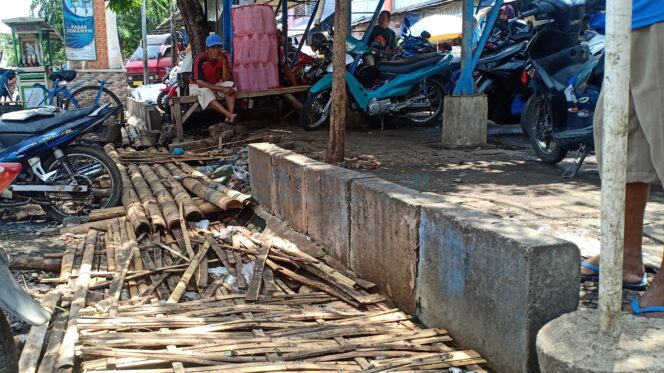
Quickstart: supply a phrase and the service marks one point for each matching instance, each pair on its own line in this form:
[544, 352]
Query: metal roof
[45, 26]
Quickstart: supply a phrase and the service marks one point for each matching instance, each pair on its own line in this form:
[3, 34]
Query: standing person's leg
[648, 93]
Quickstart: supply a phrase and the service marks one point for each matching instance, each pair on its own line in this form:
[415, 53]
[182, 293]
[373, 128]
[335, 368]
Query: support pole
[174, 38]
[144, 31]
[284, 25]
[335, 146]
[490, 21]
[465, 84]
[306, 32]
[614, 162]
[228, 27]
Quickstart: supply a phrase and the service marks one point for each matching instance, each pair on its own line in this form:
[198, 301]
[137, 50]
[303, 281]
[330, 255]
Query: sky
[19, 8]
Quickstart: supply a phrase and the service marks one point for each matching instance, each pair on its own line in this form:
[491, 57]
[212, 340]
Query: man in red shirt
[211, 79]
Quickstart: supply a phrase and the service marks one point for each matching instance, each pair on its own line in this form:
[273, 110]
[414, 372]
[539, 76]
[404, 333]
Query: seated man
[211, 79]
[382, 37]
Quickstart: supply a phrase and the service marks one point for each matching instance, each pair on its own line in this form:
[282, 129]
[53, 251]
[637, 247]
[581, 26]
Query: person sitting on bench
[211, 79]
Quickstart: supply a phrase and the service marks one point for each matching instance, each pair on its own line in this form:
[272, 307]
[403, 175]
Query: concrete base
[465, 120]
[573, 343]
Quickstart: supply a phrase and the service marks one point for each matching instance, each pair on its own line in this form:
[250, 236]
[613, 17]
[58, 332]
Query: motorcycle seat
[63, 75]
[503, 54]
[40, 123]
[409, 65]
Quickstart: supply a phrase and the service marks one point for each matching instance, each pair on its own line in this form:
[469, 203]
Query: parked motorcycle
[499, 72]
[170, 90]
[407, 88]
[63, 175]
[565, 79]
[13, 299]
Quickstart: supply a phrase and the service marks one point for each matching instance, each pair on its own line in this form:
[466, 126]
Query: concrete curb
[499, 283]
[492, 283]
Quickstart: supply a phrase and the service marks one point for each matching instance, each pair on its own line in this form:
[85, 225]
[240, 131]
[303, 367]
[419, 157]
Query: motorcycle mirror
[406, 22]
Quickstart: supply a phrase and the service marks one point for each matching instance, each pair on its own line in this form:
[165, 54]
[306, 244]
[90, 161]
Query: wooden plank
[190, 111]
[257, 276]
[186, 276]
[35, 340]
[177, 117]
[293, 101]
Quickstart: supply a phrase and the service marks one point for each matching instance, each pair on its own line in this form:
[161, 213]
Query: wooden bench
[179, 118]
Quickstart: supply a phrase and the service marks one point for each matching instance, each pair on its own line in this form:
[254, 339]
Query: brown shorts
[645, 139]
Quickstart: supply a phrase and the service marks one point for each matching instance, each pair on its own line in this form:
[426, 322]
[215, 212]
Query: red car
[159, 60]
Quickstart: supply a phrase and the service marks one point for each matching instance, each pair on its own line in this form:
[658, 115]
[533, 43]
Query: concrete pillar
[465, 120]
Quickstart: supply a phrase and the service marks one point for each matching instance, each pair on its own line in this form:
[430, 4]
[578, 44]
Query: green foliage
[128, 20]
[7, 45]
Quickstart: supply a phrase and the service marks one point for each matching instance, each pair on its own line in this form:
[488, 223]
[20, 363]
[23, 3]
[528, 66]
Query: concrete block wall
[116, 81]
[492, 283]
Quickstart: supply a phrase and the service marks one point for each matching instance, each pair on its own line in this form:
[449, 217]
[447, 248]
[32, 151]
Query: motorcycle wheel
[431, 116]
[538, 122]
[8, 355]
[160, 101]
[91, 167]
[316, 110]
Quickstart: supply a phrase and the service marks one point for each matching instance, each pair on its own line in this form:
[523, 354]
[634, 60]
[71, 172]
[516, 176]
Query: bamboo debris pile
[153, 192]
[223, 299]
[147, 289]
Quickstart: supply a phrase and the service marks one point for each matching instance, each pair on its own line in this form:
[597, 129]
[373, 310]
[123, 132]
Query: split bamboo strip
[66, 353]
[35, 340]
[186, 276]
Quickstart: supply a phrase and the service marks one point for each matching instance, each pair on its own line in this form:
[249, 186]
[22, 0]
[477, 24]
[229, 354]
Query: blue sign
[79, 30]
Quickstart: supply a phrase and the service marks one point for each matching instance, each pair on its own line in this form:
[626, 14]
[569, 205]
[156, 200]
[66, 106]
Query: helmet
[317, 40]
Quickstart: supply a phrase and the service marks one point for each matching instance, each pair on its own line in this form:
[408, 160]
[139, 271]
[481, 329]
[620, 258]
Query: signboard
[79, 30]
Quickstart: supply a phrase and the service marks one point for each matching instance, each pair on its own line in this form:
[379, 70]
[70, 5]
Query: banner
[79, 30]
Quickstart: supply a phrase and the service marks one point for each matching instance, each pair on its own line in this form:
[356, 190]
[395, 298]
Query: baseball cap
[213, 40]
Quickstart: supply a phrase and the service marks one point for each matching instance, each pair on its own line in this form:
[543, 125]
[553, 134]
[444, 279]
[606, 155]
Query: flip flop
[637, 310]
[638, 286]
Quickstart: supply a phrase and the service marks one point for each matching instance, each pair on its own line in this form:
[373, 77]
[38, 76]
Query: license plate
[137, 83]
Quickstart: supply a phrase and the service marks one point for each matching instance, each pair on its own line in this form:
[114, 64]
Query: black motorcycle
[499, 71]
[565, 79]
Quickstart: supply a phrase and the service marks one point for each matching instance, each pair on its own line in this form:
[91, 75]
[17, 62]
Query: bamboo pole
[107, 213]
[130, 201]
[164, 198]
[614, 163]
[180, 194]
[137, 261]
[231, 193]
[197, 187]
[145, 195]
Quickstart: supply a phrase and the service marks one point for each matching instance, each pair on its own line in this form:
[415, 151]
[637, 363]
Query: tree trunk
[195, 23]
[335, 146]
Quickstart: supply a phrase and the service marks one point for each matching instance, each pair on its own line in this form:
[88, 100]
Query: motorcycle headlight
[129, 78]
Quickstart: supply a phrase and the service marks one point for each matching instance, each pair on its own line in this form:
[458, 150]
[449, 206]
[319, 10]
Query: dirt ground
[503, 178]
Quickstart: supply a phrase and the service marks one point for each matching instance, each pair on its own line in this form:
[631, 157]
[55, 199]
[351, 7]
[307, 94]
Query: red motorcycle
[170, 90]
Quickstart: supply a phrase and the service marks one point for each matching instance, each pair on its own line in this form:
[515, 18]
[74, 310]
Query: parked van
[159, 60]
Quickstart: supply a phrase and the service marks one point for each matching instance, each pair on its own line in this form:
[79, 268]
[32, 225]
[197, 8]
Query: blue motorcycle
[407, 88]
[59, 172]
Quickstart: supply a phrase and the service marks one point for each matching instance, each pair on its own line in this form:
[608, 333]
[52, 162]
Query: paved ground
[504, 179]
